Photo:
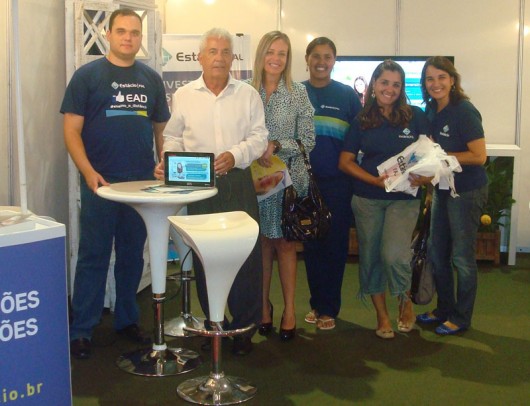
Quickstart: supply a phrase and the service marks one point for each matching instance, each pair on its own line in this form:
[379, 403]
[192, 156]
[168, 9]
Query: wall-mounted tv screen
[356, 72]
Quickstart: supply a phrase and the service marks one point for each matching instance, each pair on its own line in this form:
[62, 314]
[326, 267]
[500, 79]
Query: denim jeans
[384, 231]
[103, 222]
[454, 225]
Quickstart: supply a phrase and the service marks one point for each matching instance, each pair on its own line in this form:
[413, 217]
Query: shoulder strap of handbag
[306, 159]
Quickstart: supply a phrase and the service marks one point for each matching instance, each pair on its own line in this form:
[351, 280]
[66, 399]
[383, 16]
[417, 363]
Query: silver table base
[149, 362]
[159, 360]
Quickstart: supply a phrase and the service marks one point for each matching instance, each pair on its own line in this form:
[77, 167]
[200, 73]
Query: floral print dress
[288, 116]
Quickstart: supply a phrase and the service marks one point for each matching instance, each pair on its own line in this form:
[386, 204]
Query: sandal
[405, 327]
[311, 317]
[384, 334]
[326, 324]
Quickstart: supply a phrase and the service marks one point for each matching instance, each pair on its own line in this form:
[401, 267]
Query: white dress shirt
[233, 121]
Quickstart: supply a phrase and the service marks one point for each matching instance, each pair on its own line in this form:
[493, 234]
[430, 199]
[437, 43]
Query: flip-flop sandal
[311, 317]
[326, 324]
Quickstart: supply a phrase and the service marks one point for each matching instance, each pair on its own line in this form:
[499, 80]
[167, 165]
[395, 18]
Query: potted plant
[497, 209]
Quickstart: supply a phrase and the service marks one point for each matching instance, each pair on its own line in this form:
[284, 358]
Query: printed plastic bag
[423, 157]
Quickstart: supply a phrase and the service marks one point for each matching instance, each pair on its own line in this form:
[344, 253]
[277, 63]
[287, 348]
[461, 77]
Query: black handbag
[307, 218]
[422, 289]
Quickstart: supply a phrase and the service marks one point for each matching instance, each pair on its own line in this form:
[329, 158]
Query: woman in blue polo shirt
[336, 106]
[384, 220]
[457, 127]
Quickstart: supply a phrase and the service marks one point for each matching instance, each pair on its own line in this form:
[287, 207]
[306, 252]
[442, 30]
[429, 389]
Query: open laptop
[186, 172]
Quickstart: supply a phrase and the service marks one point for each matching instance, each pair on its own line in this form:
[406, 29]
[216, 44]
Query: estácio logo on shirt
[445, 131]
[406, 134]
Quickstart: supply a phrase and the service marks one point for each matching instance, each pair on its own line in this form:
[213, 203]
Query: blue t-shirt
[379, 144]
[336, 106]
[119, 105]
[454, 127]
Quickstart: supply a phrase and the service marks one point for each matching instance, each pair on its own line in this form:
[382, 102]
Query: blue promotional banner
[34, 352]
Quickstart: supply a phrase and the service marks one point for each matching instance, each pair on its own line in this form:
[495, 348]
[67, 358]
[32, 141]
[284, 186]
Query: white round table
[154, 208]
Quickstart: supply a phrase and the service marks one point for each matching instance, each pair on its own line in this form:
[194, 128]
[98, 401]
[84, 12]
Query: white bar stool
[175, 327]
[222, 241]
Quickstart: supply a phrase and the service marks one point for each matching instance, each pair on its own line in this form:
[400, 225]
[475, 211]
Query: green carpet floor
[488, 365]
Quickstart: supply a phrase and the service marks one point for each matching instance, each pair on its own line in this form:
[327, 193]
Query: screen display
[356, 71]
[192, 169]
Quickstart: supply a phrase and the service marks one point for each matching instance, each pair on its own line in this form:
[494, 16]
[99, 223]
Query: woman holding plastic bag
[384, 220]
[457, 127]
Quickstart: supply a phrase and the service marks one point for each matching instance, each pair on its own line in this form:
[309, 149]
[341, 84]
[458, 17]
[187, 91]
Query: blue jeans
[454, 225]
[384, 231]
[103, 222]
[325, 259]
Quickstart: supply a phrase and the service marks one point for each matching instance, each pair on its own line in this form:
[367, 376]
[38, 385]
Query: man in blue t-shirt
[112, 109]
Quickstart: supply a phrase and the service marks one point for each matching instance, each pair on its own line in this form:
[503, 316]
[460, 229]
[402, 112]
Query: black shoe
[81, 348]
[266, 328]
[287, 334]
[242, 345]
[135, 334]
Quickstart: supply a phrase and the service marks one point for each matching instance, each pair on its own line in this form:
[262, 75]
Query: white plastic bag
[425, 158]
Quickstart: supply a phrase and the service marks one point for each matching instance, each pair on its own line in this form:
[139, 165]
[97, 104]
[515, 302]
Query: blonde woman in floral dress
[288, 117]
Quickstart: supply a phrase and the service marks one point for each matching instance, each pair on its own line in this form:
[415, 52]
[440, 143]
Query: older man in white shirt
[219, 114]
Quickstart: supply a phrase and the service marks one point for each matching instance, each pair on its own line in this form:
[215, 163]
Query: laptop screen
[189, 169]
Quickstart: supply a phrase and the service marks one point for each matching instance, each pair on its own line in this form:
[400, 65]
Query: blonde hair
[259, 63]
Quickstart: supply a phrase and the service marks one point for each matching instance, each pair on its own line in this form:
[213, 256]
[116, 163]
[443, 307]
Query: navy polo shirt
[453, 128]
[378, 145]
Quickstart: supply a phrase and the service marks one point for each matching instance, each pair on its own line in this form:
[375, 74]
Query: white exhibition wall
[482, 37]
[483, 41]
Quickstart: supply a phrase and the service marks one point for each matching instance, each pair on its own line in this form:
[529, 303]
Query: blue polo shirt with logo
[119, 106]
[378, 145]
[453, 128]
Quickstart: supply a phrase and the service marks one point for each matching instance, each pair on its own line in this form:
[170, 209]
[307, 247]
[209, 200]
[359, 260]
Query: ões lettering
[18, 329]
[15, 303]
[19, 302]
